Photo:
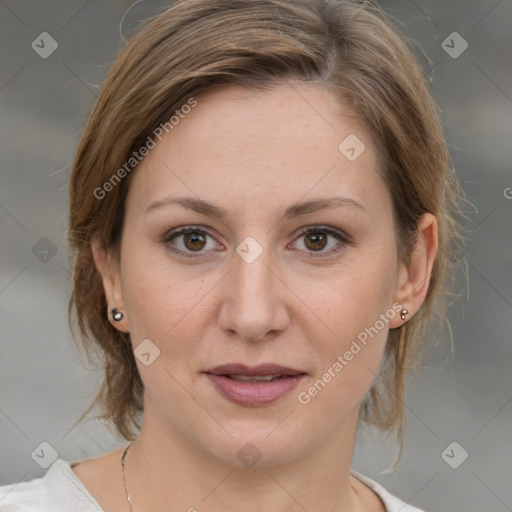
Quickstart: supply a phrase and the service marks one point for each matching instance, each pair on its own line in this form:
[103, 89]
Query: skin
[254, 154]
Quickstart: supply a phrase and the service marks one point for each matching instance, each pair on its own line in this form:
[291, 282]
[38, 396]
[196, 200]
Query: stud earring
[403, 313]
[117, 315]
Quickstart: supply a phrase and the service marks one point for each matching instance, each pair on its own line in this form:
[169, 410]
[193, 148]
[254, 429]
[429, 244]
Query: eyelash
[342, 238]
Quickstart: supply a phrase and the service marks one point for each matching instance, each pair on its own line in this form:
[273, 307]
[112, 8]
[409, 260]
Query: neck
[164, 467]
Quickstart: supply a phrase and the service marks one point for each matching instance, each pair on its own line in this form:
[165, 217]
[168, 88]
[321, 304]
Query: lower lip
[253, 393]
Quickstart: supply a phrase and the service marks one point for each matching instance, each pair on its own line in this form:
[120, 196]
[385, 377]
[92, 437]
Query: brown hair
[351, 49]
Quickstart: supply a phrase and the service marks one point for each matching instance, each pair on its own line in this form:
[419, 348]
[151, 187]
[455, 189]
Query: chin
[257, 443]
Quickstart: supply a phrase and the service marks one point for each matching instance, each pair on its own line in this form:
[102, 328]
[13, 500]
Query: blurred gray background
[44, 103]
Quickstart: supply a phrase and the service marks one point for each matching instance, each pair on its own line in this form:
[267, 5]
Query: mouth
[254, 386]
[257, 378]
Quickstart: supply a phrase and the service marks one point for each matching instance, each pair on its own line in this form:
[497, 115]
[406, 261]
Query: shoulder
[392, 503]
[58, 491]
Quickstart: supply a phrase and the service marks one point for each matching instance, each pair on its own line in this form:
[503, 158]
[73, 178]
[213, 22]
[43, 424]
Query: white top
[60, 490]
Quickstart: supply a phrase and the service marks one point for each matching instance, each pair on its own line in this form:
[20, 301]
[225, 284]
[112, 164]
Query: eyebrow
[294, 210]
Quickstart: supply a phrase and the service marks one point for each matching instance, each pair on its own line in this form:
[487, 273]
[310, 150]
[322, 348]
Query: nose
[253, 302]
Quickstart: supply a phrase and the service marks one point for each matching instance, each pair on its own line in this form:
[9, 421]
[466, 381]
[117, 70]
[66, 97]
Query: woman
[263, 216]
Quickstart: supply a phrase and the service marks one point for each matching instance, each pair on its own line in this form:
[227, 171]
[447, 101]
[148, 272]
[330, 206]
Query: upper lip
[253, 371]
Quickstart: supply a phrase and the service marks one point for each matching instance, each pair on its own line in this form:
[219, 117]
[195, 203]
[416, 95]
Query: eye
[317, 239]
[193, 242]
[189, 241]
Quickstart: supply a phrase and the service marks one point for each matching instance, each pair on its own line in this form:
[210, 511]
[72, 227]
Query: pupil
[318, 240]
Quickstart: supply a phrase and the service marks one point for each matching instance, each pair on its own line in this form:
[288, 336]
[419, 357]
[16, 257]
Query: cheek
[348, 363]
[350, 325]
[163, 303]
[350, 297]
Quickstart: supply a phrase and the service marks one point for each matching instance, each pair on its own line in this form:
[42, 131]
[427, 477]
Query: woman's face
[265, 275]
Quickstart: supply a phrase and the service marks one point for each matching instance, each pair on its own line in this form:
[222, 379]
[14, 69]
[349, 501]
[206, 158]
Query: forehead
[256, 148]
[291, 114]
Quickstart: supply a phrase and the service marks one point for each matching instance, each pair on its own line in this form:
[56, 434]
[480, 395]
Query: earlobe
[108, 267]
[414, 279]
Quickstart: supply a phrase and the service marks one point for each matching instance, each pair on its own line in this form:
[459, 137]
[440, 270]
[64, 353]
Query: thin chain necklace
[123, 459]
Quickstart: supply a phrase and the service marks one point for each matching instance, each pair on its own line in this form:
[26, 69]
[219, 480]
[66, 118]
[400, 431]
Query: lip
[254, 393]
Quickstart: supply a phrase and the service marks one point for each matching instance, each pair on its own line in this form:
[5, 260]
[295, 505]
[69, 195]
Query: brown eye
[194, 241]
[315, 241]
[190, 242]
[320, 241]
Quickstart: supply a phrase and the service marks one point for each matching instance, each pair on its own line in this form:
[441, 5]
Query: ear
[414, 279]
[109, 268]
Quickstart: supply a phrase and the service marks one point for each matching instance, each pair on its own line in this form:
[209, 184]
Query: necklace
[123, 459]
